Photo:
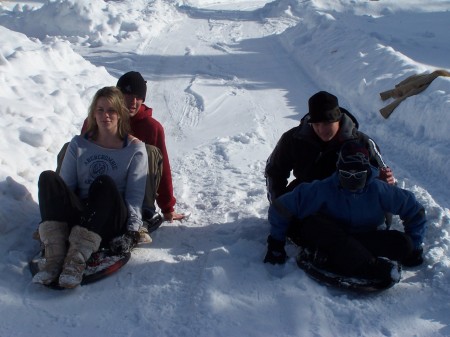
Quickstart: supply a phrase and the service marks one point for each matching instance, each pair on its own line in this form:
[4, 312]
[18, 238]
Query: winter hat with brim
[324, 108]
[133, 83]
[353, 156]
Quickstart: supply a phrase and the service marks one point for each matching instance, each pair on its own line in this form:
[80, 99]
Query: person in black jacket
[310, 150]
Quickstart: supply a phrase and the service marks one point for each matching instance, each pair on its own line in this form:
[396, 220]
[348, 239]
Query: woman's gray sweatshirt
[128, 167]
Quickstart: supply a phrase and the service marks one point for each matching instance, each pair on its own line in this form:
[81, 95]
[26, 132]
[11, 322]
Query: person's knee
[104, 180]
[102, 184]
[397, 244]
[45, 177]
[406, 245]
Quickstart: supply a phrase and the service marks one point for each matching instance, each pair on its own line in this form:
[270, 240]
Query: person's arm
[165, 199]
[280, 218]
[283, 212]
[305, 200]
[68, 171]
[135, 187]
[385, 172]
[278, 169]
[414, 220]
[411, 212]
[415, 225]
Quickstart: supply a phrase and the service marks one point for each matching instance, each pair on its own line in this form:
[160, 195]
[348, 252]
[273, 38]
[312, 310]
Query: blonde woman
[97, 196]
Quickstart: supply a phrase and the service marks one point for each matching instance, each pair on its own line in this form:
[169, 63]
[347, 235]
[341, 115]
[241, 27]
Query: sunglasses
[357, 175]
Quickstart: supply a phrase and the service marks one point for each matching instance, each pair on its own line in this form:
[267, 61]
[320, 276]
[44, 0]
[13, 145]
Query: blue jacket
[361, 211]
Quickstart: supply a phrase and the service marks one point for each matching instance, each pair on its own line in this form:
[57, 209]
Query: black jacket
[301, 151]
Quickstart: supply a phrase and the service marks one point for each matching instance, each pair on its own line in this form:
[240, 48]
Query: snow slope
[226, 78]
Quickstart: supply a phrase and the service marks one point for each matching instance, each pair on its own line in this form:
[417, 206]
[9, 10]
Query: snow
[226, 78]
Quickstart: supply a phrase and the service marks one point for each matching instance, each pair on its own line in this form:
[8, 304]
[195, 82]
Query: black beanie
[133, 83]
[324, 108]
[353, 156]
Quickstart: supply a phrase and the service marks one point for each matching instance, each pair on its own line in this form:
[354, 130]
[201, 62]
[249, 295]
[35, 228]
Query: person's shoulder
[321, 183]
[148, 113]
[330, 182]
[347, 126]
[146, 108]
[145, 115]
[365, 139]
[377, 186]
[77, 139]
[136, 142]
[296, 132]
[361, 136]
[77, 142]
[136, 146]
[156, 123]
[133, 140]
[373, 177]
[348, 115]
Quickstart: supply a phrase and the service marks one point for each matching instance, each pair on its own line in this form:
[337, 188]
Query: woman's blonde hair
[116, 98]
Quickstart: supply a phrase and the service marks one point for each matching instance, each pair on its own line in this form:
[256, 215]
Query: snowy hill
[226, 78]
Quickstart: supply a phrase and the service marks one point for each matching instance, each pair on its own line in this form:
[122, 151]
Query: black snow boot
[275, 251]
[381, 270]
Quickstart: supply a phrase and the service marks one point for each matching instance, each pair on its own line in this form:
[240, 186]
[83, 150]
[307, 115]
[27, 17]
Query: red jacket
[150, 131]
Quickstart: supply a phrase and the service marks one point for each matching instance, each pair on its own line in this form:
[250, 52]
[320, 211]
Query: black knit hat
[133, 83]
[324, 108]
[353, 156]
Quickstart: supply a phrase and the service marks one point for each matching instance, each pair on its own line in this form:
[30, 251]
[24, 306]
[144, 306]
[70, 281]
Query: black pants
[347, 252]
[103, 212]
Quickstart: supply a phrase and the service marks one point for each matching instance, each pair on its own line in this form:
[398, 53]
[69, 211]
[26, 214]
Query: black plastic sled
[100, 265]
[305, 261]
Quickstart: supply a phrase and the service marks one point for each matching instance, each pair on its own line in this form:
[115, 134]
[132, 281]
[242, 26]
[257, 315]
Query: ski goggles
[357, 175]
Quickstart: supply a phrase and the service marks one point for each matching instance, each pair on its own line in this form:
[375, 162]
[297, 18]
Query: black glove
[124, 243]
[275, 251]
[415, 259]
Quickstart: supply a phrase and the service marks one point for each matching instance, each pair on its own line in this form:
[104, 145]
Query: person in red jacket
[151, 132]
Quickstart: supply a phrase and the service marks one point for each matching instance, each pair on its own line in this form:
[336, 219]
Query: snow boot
[381, 270]
[82, 244]
[151, 220]
[53, 235]
[275, 251]
[144, 236]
